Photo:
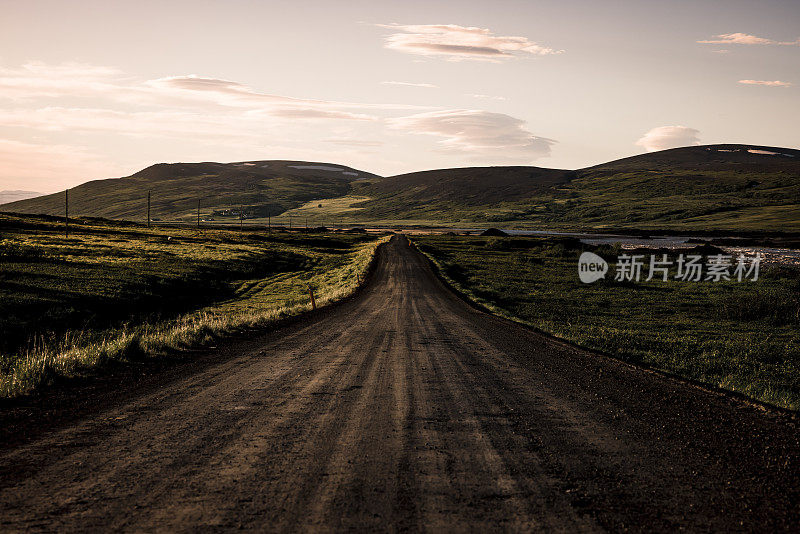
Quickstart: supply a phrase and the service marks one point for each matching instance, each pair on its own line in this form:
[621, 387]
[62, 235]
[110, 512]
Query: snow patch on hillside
[768, 153]
[316, 168]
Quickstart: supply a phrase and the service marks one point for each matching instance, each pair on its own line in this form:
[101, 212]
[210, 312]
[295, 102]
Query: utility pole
[66, 213]
[241, 218]
[148, 209]
[198, 213]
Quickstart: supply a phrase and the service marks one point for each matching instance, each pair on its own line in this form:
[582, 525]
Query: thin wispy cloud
[477, 133]
[458, 43]
[147, 124]
[317, 114]
[233, 93]
[60, 102]
[69, 69]
[79, 81]
[411, 84]
[100, 100]
[746, 39]
[40, 80]
[486, 97]
[202, 112]
[665, 137]
[768, 83]
[359, 143]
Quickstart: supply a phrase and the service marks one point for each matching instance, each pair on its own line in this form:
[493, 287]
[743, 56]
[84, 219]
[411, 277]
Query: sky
[98, 89]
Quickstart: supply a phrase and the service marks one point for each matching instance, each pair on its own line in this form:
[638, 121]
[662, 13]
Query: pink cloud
[773, 83]
[745, 39]
[477, 133]
[73, 80]
[665, 137]
[460, 42]
[411, 84]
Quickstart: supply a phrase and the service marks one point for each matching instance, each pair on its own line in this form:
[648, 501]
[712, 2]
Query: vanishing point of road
[403, 408]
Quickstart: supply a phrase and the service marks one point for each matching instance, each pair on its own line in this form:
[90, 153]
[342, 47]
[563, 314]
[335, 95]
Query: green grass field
[116, 291]
[740, 336]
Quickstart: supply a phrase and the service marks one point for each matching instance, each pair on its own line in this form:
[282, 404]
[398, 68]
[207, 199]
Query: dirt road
[405, 409]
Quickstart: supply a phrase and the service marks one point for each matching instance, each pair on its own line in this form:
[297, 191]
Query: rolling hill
[463, 193]
[732, 187]
[259, 187]
[712, 187]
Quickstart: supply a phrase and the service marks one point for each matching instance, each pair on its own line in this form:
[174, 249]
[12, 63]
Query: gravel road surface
[406, 409]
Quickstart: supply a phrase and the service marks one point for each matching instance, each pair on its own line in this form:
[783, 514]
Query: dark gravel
[401, 409]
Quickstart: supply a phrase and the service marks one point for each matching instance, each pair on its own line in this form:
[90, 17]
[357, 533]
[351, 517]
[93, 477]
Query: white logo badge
[591, 267]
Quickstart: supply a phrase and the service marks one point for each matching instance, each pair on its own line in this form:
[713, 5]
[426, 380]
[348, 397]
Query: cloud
[150, 124]
[410, 84]
[773, 83]
[737, 38]
[40, 80]
[72, 80]
[477, 133]
[231, 93]
[486, 97]
[137, 121]
[360, 143]
[69, 69]
[103, 106]
[223, 92]
[665, 137]
[311, 114]
[194, 82]
[746, 39]
[458, 43]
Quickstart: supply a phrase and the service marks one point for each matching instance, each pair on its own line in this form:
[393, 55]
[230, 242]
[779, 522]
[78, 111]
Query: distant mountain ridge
[12, 195]
[725, 186]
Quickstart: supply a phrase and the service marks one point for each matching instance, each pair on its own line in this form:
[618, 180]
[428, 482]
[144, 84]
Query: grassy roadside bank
[116, 291]
[739, 336]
